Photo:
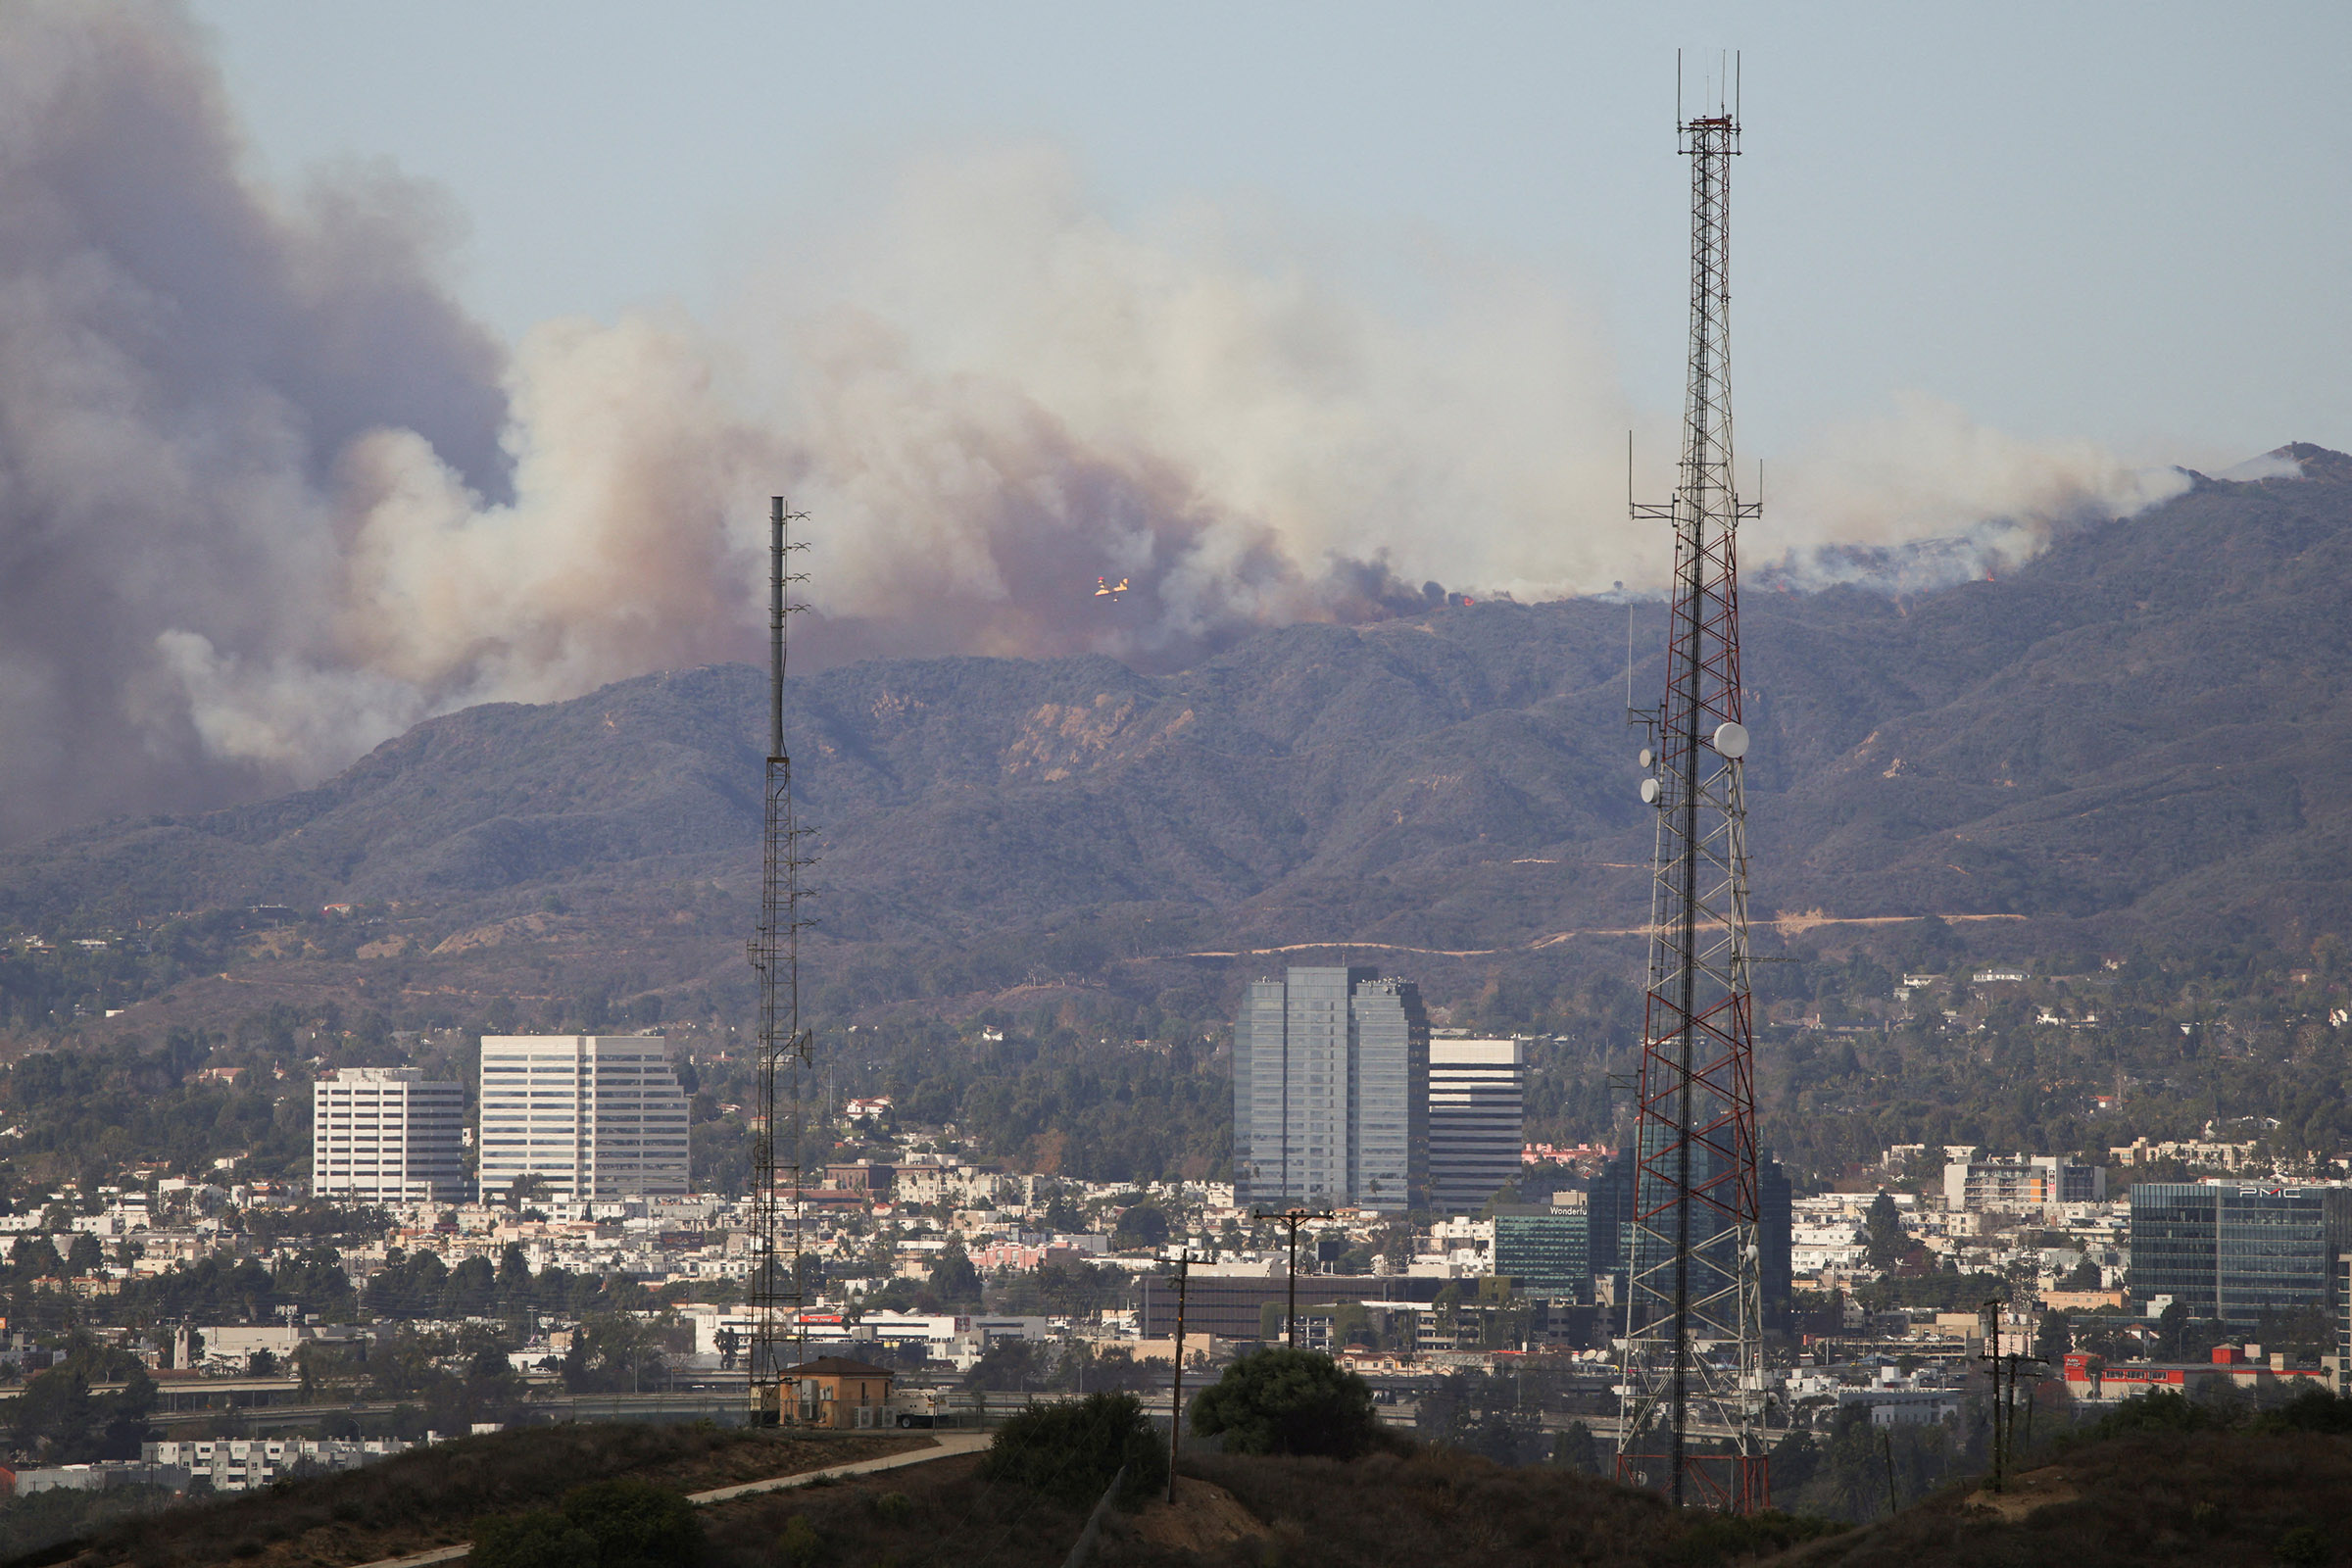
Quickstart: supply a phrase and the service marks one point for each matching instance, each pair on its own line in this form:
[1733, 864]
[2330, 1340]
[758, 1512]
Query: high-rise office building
[2343, 1323]
[2232, 1250]
[1331, 1092]
[1477, 1112]
[1611, 1206]
[387, 1135]
[591, 1116]
[1546, 1251]
[1776, 1226]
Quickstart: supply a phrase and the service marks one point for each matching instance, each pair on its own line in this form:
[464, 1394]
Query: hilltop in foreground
[2199, 1498]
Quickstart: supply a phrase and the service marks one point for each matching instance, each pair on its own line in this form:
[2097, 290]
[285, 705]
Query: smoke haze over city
[269, 493]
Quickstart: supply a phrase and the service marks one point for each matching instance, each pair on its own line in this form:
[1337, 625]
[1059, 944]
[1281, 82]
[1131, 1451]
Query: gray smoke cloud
[1923, 496]
[182, 357]
[267, 496]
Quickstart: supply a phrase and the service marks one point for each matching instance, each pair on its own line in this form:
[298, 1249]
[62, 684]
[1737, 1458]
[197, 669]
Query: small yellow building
[839, 1394]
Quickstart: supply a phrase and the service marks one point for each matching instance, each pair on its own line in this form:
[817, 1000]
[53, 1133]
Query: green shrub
[2315, 1409]
[2304, 1544]
[1728, 1538]
[2158, 1412]
[1289, 1401]
[1071, 1452]
[610, 1524]
[893, 1507]
[799, 1546]
[540, 1539]
[636, 1524]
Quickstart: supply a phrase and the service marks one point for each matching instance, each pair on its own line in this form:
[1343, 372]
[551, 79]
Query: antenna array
[778, 1292]
[1693, 1332]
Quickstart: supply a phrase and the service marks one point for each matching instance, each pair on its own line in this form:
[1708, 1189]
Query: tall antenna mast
[1693, 1332]
[778, 1296]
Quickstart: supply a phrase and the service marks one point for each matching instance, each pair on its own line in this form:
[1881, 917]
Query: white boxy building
[592, 1116]
[387, 1135]
[248, 1464]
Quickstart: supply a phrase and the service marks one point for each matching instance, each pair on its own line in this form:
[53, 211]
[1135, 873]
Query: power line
[1291, 1219]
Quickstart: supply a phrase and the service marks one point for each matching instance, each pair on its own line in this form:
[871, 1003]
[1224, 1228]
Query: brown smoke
[267, 496]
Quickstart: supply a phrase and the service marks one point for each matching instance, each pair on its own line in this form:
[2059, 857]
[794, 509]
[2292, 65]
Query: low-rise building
[1895, 1406]
[2038, 1181]
[242, 1464]
[839, 1395]
[103, 1476]
[2245, 1368]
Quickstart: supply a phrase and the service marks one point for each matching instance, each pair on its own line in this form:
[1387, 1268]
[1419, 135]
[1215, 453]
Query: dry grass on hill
[2250, 1497]
[1434, 1505]
[432, 1497]
[2213, 1500]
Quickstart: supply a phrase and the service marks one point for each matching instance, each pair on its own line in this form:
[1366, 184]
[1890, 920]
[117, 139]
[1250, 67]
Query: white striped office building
[386, 1135]
[591, 1116]
[1477, 1113]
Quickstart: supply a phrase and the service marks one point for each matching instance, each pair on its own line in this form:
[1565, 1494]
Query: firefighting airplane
[1106, 589]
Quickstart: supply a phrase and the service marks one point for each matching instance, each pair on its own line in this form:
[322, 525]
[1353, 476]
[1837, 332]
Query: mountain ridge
[2134, 736]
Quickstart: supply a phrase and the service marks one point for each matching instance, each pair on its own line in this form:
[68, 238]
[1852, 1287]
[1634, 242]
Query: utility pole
[1291, 1219]
[1990, 1312]
[1695, 1275]
[1184, 1270]
[2033, 1376]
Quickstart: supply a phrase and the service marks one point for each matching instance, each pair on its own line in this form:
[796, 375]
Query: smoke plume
[267, 495]
[1923, 496]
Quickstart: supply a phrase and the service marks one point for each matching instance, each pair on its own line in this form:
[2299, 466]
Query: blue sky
[2127, 224]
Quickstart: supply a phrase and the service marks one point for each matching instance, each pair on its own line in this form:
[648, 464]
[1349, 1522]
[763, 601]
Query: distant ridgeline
[2136, 737]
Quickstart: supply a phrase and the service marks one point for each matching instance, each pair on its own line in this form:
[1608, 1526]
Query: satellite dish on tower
[1730, 741]
[1649, 792]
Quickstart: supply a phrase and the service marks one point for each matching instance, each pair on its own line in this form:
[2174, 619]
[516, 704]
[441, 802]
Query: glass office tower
[1544, 1251]
[2232, 1251]
[1613, 1227]
[1331, 1092]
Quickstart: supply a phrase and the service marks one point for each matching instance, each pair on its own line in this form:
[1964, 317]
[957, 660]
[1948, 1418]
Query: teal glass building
[2232, 1250]
[1545, 1252]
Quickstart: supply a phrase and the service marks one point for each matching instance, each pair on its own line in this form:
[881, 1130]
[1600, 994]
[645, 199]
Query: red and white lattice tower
[1693, 1369]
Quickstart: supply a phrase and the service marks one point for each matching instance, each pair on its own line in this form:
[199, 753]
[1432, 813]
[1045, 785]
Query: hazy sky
[2128, 223]
[362, 361]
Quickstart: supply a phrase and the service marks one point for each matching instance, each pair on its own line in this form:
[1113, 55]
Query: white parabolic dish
[1731, 740]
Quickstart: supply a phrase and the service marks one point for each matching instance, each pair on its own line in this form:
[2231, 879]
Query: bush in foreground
[607, 1524]
[1071, 1452]
[1289, 1401]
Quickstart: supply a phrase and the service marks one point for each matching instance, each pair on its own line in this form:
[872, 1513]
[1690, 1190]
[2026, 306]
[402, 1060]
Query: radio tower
[777, 1295]
[1693, 1370]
